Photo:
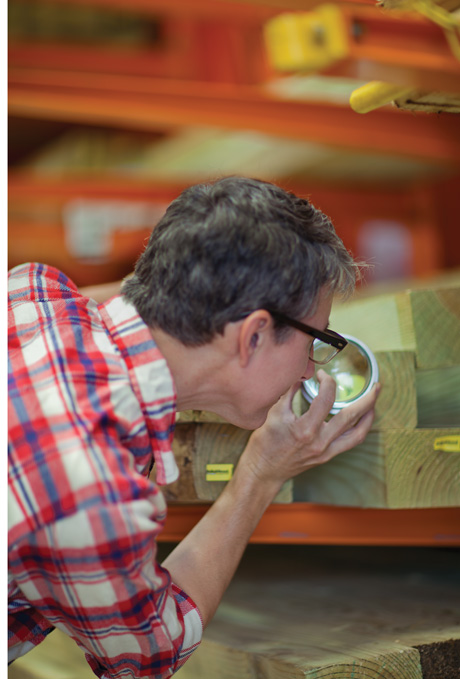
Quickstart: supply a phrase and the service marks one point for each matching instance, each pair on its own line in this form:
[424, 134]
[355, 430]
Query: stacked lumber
[207, 449]
[411, 457]
[328, 613]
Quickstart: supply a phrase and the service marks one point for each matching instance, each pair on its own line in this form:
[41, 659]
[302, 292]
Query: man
[204, 323]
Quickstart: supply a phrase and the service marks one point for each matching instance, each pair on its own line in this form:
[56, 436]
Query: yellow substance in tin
[348, 386]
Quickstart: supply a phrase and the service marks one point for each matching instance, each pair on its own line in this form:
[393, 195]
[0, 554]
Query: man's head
[230, 247]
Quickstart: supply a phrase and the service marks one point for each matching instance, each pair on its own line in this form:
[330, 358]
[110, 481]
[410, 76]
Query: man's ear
[255, 331]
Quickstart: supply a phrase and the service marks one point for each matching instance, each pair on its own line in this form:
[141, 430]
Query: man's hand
[287, 445]
[205, 561]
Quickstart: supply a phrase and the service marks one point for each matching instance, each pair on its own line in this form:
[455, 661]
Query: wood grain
[394, 469]
[438, 397]
[424, 321]
[323, 613]
[197, 444]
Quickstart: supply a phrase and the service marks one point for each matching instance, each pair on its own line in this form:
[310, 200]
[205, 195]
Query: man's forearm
[204, 563]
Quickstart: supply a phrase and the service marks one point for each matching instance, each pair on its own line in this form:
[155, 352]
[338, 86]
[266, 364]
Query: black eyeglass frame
[327, 336]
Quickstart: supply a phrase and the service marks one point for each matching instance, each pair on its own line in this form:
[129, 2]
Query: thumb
[286, 401]
[324, 401]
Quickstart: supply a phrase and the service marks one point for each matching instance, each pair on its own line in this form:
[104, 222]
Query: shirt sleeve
[94, 575]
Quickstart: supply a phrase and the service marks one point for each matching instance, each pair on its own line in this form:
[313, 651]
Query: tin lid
[354, 370]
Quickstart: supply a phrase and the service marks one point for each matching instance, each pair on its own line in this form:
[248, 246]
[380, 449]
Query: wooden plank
[438, 397]
[199, 444]
[183, 490]
[419, 475]
[436, 317]
[383, 322]
[58, 657]
[325, 613]
[424, 321]
[226, 662]
[356, 478]
[216, 444]
[391, 469]
[397, 403]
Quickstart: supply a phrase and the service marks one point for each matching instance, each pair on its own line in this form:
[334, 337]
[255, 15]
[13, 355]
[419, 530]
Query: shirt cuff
[193, 624]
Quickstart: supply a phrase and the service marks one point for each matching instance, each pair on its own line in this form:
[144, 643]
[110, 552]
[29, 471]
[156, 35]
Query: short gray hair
[227, 248]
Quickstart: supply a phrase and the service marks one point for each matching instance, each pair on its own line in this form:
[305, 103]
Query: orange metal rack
[306, 523]
[162, 104]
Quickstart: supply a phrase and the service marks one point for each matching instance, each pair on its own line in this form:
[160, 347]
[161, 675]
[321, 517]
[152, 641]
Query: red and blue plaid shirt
[90, 399]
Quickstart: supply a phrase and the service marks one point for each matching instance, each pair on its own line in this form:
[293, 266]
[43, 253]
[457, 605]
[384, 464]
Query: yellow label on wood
[219, 472]
[448, 444]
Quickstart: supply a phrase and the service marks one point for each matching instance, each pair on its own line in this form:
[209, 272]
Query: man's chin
[245, 421]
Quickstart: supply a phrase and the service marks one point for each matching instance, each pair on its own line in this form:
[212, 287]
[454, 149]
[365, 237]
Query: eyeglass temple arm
[329, 336]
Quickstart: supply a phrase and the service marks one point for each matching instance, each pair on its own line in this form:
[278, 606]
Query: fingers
[287, 399]
[287, 444]
[351, 437]
[352, 414]
[350, 427]
[322, 404]
[284, 406]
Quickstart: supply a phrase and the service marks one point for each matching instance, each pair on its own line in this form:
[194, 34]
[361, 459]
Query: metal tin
[355, 371]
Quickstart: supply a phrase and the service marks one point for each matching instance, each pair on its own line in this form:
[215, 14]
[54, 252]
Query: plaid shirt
[90, 397]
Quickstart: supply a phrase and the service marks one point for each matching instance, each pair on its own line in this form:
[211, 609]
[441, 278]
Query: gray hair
[230, 247]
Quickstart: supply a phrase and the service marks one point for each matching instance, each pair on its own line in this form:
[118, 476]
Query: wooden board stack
[324, 613]
[411, 458]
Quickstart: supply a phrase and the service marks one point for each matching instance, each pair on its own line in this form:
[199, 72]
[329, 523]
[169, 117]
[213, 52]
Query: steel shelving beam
[152, 104]
[216, 9]
[305, 523]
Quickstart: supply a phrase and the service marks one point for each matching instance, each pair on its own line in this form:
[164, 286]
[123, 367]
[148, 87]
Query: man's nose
[309, 372]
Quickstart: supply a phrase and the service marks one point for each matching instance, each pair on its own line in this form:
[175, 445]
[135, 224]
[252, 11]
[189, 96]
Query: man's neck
[200, 373]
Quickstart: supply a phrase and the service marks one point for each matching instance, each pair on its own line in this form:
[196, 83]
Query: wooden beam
[438, 397]
[391, 469]
[196, 446]
[421, 471]
[334, 614]
[424, 321]
[397, 404]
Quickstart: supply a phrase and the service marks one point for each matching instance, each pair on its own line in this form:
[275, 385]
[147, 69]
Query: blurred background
[116, 105]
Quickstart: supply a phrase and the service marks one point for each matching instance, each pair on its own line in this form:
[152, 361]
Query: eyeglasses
[326, 344]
